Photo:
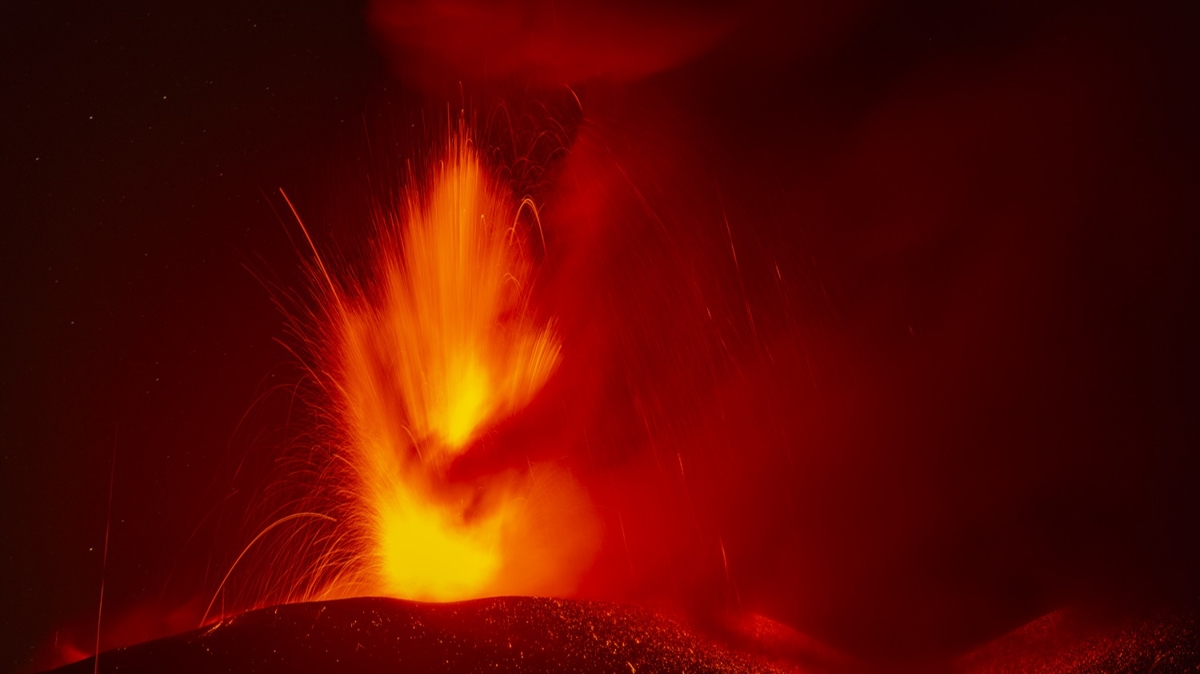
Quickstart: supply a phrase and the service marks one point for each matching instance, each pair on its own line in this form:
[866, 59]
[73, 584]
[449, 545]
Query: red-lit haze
[863, 318]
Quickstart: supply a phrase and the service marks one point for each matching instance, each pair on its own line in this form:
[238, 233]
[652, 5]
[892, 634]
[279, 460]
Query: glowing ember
[441, 345]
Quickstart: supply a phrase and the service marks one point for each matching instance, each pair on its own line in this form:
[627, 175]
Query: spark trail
[439, 343]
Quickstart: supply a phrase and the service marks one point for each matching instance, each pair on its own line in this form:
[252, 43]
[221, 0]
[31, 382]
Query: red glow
[551, 43]
[862, 321]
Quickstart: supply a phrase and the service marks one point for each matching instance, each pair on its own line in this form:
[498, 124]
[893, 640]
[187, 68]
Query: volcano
[867, 319]
[529, 634]
[507, 634]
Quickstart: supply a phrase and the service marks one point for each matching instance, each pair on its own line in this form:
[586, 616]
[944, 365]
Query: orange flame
[443, 345]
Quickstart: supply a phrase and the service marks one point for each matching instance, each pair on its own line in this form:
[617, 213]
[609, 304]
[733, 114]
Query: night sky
[956, 380]
[138, 145]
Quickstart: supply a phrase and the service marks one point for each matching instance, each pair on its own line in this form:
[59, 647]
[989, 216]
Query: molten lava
[440, 344]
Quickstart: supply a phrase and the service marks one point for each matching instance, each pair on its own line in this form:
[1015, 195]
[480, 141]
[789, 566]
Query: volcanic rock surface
[365, 635]
[529, 634]
[1079, 640]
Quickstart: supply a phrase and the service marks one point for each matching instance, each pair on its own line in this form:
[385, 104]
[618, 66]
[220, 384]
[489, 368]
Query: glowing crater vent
[441, 345]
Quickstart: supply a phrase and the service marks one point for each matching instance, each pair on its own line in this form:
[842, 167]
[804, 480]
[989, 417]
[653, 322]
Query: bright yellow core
[441, 346]
[466, 401]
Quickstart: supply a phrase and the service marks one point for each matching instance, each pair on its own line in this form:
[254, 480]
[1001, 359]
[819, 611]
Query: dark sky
[138, 144]
[1014, 181]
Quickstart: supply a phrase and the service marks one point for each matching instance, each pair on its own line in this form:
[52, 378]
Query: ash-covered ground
[530, 634]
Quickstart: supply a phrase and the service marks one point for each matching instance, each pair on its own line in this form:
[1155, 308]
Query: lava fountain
[440, 342]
